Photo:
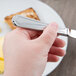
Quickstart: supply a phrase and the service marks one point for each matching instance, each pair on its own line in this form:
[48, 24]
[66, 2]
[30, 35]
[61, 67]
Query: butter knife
[33, 24]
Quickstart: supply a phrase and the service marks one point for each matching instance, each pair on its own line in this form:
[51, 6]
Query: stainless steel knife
[29, 23]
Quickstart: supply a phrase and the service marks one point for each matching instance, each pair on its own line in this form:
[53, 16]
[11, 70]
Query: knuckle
[52, 32]
[47, 39]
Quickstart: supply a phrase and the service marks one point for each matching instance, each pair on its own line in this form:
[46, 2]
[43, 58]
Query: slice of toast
[26, 13]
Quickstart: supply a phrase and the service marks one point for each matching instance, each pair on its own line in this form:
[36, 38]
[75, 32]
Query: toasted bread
[26, 13]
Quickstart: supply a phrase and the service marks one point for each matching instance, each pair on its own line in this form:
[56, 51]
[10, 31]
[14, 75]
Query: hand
[26, 52]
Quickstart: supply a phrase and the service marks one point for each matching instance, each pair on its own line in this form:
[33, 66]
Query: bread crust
[30, 12]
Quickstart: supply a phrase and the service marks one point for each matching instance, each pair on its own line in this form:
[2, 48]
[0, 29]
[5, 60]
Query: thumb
[49, 35]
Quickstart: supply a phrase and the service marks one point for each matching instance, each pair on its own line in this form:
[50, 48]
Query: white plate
[45, 13]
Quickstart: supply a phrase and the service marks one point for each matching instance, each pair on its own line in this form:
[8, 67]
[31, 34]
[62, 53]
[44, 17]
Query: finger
[37, 35]
[59, 43]
[52, 58]
[49, 34]
[57, 51]
[31, 33]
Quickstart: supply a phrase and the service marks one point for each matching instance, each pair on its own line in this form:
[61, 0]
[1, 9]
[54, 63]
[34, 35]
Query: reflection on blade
[29, 23]
[72, 33]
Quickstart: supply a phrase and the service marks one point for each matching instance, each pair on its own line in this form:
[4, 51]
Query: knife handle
[29, 23]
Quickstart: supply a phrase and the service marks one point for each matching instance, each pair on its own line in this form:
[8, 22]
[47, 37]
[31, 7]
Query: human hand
[26, 52]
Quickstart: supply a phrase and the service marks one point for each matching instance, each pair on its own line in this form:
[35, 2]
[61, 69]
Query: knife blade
[33, 24]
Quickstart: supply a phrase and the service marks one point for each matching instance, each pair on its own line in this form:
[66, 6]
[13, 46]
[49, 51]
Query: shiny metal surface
[72, 33]
[29, 23]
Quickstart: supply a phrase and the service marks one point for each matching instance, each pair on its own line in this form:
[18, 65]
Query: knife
[33, 24]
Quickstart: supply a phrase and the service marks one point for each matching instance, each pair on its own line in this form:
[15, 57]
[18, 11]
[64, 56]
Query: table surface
[67, 10]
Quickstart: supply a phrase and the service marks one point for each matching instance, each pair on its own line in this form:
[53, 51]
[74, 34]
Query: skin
[26, 52]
